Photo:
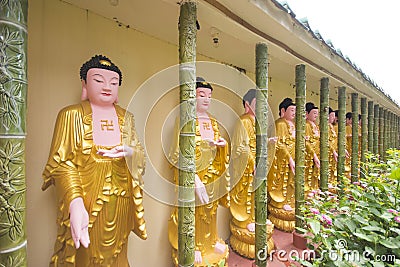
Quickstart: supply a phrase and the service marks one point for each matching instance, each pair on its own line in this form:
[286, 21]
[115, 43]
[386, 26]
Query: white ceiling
[290, 44]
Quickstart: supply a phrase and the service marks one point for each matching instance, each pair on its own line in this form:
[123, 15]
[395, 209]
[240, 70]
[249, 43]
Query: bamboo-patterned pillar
[13, 88]
[396, 131]
[187, 167]
[391, 145]
[300, 141]
[370, 126]
[376, 129]
[341, 135]
[390, 130]
[261, 153]
[323, 126]
[364, 131]
[381, 125]
[354, 138]
[385, 133]
[393, 130]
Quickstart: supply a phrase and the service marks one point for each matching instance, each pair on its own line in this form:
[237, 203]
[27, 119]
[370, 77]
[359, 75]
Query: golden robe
[333, 147]
[311, 172]
[211, 167]
[281, 179]
[242, 194]
[112, 193]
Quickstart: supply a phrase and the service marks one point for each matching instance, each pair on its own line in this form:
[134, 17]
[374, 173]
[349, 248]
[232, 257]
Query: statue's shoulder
[71, 110]
[280, 121]
[121, 111]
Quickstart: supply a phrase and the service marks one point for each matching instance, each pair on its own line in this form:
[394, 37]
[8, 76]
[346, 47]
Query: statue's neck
[102, 108]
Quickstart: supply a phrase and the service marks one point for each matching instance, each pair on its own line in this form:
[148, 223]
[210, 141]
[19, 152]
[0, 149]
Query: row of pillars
[379, 132]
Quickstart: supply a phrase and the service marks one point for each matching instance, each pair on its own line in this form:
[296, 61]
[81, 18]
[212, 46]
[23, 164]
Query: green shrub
[360, 226]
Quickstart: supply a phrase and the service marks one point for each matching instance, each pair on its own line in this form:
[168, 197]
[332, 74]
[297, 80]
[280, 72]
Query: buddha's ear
[84, 91]
[246, 107]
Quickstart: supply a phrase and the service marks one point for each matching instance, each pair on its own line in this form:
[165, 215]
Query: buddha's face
[101, 86]
[312, 115]
[332, 118]
[290, 113]
[203, 99]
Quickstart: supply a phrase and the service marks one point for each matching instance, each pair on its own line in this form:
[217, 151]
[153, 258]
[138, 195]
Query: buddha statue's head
[100, 81]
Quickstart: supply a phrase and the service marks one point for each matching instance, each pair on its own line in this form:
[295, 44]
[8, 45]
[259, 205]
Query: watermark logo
[339, 253]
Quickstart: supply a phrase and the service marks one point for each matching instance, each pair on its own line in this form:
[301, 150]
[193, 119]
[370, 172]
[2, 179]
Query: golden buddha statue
[242, 226]
[311, 160]
[99, 198]
[333, 155]
[211, 184]
[281, 174]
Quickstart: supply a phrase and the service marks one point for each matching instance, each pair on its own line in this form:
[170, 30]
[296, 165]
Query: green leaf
[373, 228]
[395, 174]
[315, 227]
[364, 237]
[375, 212]
[377, 263]
[360, 219]
[396, 230]
[388, 244]
[339, 224]
[351, 225]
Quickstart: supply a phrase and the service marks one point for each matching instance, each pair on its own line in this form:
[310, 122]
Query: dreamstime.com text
[341, 253]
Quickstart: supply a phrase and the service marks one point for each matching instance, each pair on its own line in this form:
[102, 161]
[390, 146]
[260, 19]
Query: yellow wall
[61, 38]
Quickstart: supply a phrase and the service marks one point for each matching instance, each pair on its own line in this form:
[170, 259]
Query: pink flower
[397, 219]
[356, 183]
[393, 211]
[311, 194]
[327, 219]
[314, 210]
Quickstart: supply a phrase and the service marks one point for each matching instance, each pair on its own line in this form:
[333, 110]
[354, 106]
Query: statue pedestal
[299, 241]
[242, 240]
[210, 258]
[282, 219]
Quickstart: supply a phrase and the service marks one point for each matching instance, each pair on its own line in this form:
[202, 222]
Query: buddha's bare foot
[251, 227]
[197, 257]
[220, 247]
[287, 207]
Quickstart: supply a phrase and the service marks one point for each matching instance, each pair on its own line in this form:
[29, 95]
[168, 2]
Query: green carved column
[380, 140]
[364, 131]
[376, 129]
[323, 126]
[388, 126]
[391, 118]
[13, 88]
[354, 138]
[300, 141]
[261, 153]
[370, 126]
[187, 167]
[385, 133]
[341, 135]
[396, 131]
